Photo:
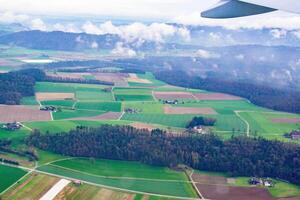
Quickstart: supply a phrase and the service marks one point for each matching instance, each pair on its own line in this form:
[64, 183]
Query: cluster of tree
[29, 153]
[201, 121]
[91, 64]
[76, 80]
[133, 70]
[7, 161]
[17, 84]
[240, 156]
[262, 95]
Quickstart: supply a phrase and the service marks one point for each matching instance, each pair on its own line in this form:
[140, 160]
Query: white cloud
[120, 50]
[295, 65]
[38, 24]
[65, 28]
[215, 36]
[296, 34]
[207, 54]
[278, 33]
[278, 19]
[138, 32]
[240, 57]
[94, 45]
[9, 17]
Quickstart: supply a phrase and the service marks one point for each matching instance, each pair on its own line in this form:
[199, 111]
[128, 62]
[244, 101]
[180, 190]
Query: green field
[93, 95]
[8, 176]
[64, 126]
[35, 186]
[126, 175]
[260, 122]
[224, 122]
[133, 94]
[145, 107]
[83, 92]
[66, 87]
[17, 136]
[280, 190]
[69, 114]
[223, 107]
[104, 106]
[162, 119]
[59, 103]
[115, 168]
[29, 101]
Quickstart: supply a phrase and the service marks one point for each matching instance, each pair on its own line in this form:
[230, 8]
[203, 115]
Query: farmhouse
[170, 102]
[132, 110]
[259, 181]
[199, 129]
[77, 182]
[12, 126]
[294, 135]
[49, 108]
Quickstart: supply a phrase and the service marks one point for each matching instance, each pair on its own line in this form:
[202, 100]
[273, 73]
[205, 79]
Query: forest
[18, 84]
[238, 156]
[261, 95]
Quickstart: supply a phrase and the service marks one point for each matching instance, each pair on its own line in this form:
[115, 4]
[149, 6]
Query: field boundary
[237, 112]
[99, 185]
[194, 184]
[27, 174]
[118, 177]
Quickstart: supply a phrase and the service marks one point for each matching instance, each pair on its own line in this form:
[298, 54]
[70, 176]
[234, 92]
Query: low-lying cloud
[201, 53]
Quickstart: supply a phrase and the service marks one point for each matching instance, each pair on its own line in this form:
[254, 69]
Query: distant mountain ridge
[58, 40]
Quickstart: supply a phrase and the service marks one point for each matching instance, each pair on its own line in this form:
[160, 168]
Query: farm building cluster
[49, 108]
[132, 110]
[12, 126]
[261, 182]
[294, 135]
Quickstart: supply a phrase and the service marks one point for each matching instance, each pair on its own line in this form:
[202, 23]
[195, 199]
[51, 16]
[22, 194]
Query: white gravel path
[59, 186]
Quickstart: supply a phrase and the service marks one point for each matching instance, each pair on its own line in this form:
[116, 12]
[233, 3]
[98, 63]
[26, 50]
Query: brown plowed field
[22, 114]
[223, 192]
[173, 95]
[43, 96]
[105, 116]
[189, 110]
[205, 179]
[134, 78]
[286, 120]
[215, 96]
[110, 77]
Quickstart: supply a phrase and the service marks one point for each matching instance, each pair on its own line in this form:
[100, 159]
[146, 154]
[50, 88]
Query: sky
[167, 9]
[178, 11]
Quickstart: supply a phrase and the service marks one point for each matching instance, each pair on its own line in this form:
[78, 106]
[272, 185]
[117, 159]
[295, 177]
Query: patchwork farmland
[140, 101]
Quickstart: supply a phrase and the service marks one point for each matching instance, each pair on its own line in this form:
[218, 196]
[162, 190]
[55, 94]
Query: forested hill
[239, 156]
[18, 84]
[58, 40]
[261, 95]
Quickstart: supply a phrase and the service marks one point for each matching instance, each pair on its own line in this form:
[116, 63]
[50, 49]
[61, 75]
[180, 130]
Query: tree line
[201, 121]
[238, 156]
[18, 84]
[261, 95]
[76, 80]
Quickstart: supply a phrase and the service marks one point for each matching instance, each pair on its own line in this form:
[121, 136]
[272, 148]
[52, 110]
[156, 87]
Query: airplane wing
[240, 8]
